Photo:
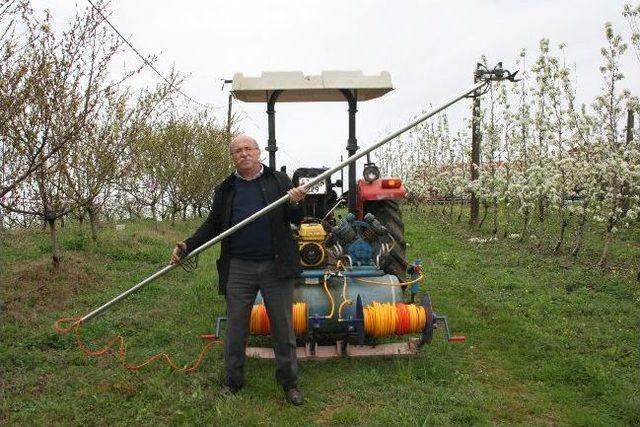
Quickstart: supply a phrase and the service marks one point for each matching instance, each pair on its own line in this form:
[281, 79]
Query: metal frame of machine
[350, 261]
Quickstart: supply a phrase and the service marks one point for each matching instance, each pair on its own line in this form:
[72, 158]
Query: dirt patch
[124, 388]
[42, 382]
[32, 287]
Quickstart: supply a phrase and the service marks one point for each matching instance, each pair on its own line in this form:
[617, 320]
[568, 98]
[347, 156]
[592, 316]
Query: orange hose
[300, 318]
[122, 350]
[259, 324]
[382, 320]
[403, 319]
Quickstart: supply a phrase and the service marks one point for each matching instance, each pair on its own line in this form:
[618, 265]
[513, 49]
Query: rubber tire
[389, 214]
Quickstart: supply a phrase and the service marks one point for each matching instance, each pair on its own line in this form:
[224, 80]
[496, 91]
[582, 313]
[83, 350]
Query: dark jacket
[274, 185]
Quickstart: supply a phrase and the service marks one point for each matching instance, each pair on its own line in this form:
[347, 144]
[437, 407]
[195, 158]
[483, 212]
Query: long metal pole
[282, 200]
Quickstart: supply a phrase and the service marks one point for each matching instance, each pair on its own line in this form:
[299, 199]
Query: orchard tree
[101, 156]
[633, 17]
[614, 157]
[25, 63]
[60, 83]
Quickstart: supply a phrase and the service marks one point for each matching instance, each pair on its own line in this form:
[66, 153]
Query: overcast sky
[429, 47]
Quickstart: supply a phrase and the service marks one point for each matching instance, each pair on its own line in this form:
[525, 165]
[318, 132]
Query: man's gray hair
[244, 136]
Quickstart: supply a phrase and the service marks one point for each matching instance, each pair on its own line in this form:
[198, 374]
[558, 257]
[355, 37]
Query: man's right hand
[178, 252]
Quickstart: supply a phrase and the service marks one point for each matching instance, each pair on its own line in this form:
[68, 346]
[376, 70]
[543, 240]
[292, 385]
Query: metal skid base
[319, 352]
[408, 348]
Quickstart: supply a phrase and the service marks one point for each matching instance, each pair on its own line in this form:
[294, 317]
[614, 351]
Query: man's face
[245, 155]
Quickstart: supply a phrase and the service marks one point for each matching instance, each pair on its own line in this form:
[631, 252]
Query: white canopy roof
[298, 87]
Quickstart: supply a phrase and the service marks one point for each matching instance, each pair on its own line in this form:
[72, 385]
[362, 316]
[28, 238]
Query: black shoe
[294, 396]
[228, 390]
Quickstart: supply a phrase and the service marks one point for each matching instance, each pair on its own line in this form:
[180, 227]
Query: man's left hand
[297, 194]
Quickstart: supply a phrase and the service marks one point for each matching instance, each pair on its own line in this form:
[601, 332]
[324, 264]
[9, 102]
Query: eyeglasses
[240, 150]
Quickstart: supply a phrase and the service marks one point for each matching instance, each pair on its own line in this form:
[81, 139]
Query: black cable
[146, 61]
[190, 265]
[481, 90]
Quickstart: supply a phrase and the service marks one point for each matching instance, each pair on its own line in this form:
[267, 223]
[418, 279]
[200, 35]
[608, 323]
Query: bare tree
[56, 84]
[101, 156]
[195, 158]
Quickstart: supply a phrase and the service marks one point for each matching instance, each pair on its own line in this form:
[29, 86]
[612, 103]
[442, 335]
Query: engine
[360, 243]
[311, 237]
[354, 243]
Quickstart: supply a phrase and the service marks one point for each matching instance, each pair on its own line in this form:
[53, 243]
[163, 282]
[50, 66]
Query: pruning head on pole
[486, 76]
[494, 74]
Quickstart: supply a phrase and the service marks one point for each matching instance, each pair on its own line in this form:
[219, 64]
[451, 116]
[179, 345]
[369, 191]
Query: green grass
[549, 340]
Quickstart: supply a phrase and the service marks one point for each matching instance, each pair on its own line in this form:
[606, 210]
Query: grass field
[549, 341]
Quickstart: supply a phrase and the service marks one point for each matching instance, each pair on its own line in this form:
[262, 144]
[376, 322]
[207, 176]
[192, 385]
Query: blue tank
[371, 284]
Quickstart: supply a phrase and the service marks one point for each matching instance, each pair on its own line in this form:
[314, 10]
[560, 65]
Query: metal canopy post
[352, 144]
[271, 112]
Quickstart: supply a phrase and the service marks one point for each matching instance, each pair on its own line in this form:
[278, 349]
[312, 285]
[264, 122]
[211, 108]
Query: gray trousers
[245, 279]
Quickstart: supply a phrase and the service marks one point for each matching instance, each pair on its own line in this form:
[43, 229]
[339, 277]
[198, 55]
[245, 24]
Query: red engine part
[388, 188]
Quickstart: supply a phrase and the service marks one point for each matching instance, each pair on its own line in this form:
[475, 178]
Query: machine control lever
[451, 338]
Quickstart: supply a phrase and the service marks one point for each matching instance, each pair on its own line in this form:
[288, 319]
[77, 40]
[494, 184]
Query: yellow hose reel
[380, 320]
[259, 323]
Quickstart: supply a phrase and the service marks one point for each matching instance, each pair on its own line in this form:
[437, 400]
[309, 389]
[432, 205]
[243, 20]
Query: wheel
[389, 214]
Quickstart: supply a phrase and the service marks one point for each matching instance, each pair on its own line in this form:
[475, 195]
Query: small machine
[353, 285]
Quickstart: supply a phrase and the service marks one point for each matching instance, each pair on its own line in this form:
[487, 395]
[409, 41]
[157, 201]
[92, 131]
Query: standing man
[260, 256]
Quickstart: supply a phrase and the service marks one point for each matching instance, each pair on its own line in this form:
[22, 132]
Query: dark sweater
[273, 185]
[252, 242]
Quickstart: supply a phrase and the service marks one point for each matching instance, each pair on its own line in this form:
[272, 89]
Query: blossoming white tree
[540, 152]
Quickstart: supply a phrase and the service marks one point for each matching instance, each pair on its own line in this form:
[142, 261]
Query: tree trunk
[577, 246]
[55, 249]
[507, 218]
[541, 211]
[563, 227]
[495, 217]
[608, 238]
[174, 211]
[582, 225]
[525, 225]
[484, 214]
[93, 222]
[475, 154]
